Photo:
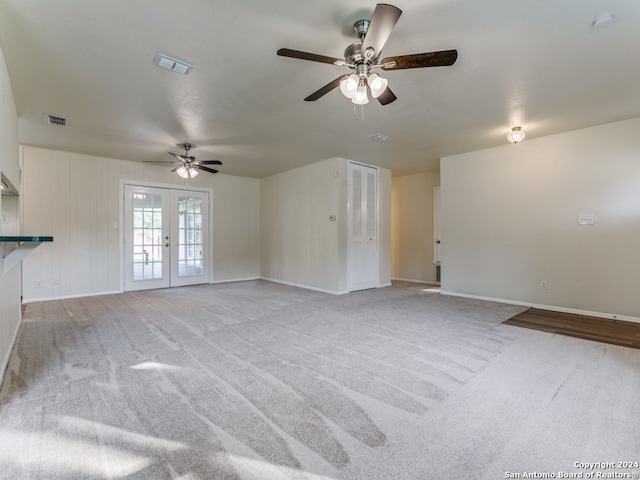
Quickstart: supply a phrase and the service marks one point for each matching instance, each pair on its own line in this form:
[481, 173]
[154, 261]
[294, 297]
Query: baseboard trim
[609, 316]
[231, 280]
[67, 297]
[415, 280]
[5, 364]
[306, 287]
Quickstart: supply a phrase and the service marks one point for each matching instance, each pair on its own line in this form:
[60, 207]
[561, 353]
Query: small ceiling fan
[363, 56]
[187, 165]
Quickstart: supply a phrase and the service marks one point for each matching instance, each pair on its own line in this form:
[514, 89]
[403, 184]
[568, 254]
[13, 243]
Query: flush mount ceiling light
[516, 134]
[171, 64]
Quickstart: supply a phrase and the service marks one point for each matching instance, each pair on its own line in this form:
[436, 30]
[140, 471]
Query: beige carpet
[256, 380]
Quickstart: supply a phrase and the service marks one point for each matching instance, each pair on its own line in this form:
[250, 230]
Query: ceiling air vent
[55, 120]
[169, 63]
[378, 137]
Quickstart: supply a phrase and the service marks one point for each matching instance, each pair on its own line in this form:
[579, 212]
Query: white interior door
[363, 227]
[166, 237]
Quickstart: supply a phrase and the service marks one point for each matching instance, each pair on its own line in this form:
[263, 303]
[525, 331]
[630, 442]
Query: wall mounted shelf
[26, 245]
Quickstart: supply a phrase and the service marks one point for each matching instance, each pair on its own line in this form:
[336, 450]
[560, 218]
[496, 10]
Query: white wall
[412, 226]
[75, 198]
[384, 228]
[509, 221]
[9, 165]
[300, 245]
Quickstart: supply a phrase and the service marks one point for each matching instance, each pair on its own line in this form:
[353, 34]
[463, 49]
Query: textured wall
[300, 245]
[9, 165]
[510, 220]
[75, 198]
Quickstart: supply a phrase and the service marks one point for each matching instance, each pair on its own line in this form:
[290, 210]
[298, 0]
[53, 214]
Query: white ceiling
[534, 62]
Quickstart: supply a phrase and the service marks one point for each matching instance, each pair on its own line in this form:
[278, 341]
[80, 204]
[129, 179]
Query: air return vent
[55, 120]
[172, 64]
[379, 137]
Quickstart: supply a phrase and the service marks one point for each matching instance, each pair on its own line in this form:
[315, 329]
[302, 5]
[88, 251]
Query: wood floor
[616, 332]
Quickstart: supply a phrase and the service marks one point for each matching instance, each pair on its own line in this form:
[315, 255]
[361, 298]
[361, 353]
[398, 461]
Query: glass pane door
[146, 238]
[191, 237]
[166, 237]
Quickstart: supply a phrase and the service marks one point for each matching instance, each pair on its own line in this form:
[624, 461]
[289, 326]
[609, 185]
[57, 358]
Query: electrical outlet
[38, 283]
[543, 285]
[5, 218]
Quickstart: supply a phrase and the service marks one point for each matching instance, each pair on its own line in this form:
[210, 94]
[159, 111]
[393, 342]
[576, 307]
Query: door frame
[169, 186]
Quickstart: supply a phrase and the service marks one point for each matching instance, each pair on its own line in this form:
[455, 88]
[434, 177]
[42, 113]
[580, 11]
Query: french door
[166, 237]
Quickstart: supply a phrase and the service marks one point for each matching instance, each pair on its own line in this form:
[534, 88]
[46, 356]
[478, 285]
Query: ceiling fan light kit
[185, 172]
[363, 56]
[349, 85]
[377, 84]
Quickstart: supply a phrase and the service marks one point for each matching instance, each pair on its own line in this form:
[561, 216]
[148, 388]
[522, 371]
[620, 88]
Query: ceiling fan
[363, 56]
[187, 165]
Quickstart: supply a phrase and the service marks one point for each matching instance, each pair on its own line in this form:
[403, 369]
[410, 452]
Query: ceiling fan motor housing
[361, 27]
[353, 53]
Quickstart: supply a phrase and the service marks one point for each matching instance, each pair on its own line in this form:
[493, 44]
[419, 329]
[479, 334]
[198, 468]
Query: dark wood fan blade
[326, 89]
[386, 97]
[206, 169]
[312, 57]
[420, 60]
[208, 162]
[383, 20]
